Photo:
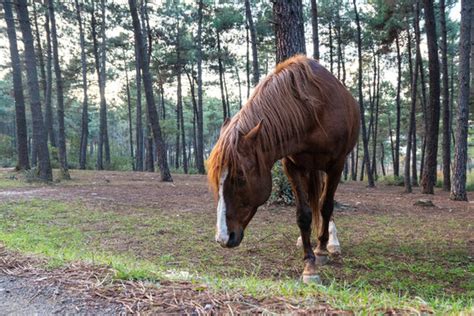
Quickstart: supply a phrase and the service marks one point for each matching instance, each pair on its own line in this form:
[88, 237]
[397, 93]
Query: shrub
[281, 188]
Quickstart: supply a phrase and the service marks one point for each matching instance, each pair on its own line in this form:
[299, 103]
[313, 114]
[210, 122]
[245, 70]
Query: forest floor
[125, 242]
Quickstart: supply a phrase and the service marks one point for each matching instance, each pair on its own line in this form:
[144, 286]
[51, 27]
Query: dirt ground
[25, 288]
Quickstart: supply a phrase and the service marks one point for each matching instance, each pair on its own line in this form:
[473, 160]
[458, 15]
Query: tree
[48, 121]
[147, 82]
[396, 163]
[289, 29]
[100, 62]
[39, 132]
[458, 186]
[199, 114]
[253, 36]
[446, 108]
[314, 24]
[20, 116]
[361, 100]
[433, 107]
[62, 153]
[85, 114]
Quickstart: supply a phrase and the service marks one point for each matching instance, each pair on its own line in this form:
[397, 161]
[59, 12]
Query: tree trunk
[331, 59]
[20, 113]
[39, 133]
[239, 85]
[458, 188]
[411, 121]
[382, 159]
[195, 110]
[139, 125]
[199, 114]
[429, 172]
[149, 161]
[103, 104]
[179, 104]
[49, 86]
[446, 109]
[396, 165]
[151, 106]
[221, 79]
[361, 101]
[376, 127]
[129, 106]
[253, 36]
[314, 24]
[40, 51]
[62, 153]
[85, 114]
[289, 28]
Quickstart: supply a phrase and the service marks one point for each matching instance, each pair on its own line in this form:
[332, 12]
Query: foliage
[281, 188]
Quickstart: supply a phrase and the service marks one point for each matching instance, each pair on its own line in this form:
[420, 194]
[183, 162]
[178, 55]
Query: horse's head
[242, 187]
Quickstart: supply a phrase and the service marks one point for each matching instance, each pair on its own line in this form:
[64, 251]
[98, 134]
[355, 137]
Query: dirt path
[28, 296]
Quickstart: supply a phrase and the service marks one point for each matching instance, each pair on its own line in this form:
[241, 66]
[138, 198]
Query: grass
[385, 265]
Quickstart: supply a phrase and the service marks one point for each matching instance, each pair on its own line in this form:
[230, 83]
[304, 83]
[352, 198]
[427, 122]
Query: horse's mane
[284, 101]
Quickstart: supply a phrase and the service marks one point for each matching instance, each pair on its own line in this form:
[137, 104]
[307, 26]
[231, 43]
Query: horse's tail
[316, 194]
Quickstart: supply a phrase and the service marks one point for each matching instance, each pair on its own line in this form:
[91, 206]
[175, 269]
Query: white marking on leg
[299, 242]
[222, 235]
[333, 243]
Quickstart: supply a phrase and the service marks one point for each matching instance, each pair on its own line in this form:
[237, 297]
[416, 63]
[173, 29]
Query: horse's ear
[224, 125]
[252, 134]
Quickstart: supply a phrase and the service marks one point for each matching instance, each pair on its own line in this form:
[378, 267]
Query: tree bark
[396, 166]
[85, 106]
[49, 86]
[253, 37]
[446, 108]
[361, 100]
[314, 25]
[289, 28]
[151, 106]
[39, 133]
[40, 51]
[433, 108]
[179, 103]
[129, 106]
[62, 153]
[458, 187]
[139, 125]
[20, 112]
[199, 114]
[221, 79]
[411, 121]
[103, 105]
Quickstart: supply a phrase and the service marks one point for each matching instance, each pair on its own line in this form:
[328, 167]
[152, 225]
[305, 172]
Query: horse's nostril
[231, 238]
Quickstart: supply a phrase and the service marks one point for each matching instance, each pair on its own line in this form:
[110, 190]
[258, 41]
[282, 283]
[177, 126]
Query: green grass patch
[385, 265]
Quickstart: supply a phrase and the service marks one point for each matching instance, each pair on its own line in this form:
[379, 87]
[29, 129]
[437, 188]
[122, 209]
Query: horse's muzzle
[235, 238]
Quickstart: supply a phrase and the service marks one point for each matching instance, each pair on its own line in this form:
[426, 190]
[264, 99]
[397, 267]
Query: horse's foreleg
[299, 184]
[333, 178]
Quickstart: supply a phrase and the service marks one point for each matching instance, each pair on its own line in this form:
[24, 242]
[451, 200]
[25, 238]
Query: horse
[299, 114]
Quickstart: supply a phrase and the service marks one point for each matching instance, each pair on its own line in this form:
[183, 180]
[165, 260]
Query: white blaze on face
[222, 235]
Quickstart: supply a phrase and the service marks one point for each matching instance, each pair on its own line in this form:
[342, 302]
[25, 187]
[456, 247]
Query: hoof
[299, 242]
[321, 260]
[334, 250]
[311, 279]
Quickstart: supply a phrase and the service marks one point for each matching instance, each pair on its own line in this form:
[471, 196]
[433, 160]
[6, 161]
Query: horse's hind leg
[299, 184]
[332, 181]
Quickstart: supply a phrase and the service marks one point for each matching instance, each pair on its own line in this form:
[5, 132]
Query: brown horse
[303, 115]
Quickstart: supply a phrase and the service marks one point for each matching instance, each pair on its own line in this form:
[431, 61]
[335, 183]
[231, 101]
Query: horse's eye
[240, 180]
